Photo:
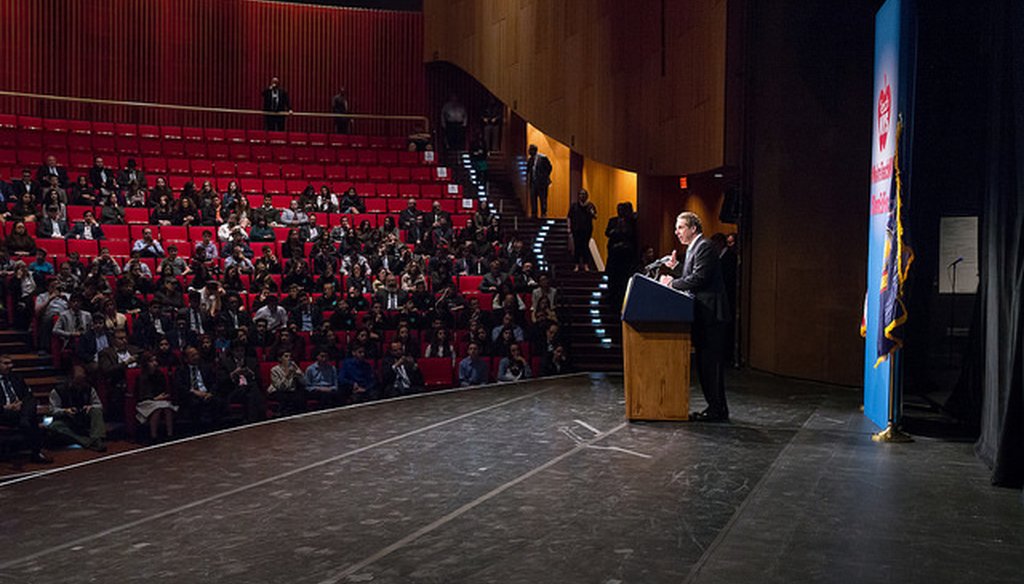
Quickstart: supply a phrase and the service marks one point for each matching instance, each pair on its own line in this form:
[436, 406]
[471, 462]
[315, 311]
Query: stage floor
[539, 482]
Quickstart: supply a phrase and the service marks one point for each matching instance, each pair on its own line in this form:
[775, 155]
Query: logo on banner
[884, 113]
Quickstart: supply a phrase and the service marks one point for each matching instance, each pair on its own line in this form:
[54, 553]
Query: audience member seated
[78, 412]
[18, 409]
[321, 380]
[52, 168]
[514, 367]
[88, 228]
[556, 362]
[399, 373]
[155, 406]
[356, 378]
[472, 369]
[148, 247]
[196, 387]
[237, 372]
[52, 226]
[286, 386]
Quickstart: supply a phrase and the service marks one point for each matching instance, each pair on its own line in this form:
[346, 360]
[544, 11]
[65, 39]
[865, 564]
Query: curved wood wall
[638, 85]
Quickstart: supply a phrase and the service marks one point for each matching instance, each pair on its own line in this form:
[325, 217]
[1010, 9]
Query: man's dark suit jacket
[283, 103]
[701, 275]
[182, 381]
[44, 228]
[43, 176]
[86, 347]
[96, 180]
[78, 231]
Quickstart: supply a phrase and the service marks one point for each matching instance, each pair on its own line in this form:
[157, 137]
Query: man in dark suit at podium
[700, 274]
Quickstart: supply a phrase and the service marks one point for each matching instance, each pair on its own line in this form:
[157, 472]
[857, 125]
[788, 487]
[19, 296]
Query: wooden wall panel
[589, 73]
[196, 52]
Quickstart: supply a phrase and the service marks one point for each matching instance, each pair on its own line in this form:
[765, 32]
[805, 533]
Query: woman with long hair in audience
[351, 203]
[25, 209]
[389, 228]
[160, 188]
[19, 242]
[52, 200]
[163, 211]
[189, 192]
[136, 195]
[366, 234]
[409, 343]
[243, 210]
[412, 275]
[206, 192]
[358, 280]
[231, 195]
[233, 280]
[307, 198]
[440, 346]
[325, 201]
[506, 338]
[156, 406]
[481, 336]
[293, 246]
[185, 213]
[82, 193]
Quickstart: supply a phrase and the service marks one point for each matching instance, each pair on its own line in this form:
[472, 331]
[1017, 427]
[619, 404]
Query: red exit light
[682, 182]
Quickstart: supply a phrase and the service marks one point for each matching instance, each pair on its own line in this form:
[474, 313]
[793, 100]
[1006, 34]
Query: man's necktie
[9, 393]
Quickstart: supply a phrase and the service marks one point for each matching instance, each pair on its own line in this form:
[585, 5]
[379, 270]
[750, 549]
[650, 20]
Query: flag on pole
[892, 313]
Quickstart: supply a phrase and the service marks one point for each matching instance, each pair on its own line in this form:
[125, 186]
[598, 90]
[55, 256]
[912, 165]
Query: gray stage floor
[540, 482]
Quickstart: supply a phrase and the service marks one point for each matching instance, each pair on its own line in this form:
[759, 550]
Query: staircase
[590, 325]
[37, 370]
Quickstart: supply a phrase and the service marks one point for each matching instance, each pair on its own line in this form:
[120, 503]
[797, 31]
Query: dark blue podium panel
[648, 301]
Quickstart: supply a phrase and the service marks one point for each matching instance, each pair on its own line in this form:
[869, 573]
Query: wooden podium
[656, 351]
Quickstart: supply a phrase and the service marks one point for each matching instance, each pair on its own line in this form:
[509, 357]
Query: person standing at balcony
[275, 99]
[454, 120]
[339, 105]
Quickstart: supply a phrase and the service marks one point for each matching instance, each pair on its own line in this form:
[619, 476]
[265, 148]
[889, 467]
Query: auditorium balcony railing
[64, 107]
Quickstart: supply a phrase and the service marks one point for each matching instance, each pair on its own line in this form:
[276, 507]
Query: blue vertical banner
[888, 257]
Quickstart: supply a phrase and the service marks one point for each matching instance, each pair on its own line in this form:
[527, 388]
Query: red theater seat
[438, 372]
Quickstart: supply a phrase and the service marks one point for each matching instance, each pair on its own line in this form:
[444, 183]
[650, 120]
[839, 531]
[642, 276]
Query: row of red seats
[32, 125]
[270, 186]
[27, 151]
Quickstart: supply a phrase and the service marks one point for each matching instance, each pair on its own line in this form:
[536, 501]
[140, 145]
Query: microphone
[955, 262]
[658, 263]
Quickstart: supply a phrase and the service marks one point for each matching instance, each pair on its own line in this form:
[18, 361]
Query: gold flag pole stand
[892, 432]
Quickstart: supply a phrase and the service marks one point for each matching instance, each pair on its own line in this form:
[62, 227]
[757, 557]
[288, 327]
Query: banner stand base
[892, 434]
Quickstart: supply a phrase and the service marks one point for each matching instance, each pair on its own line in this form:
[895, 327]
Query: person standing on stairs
[538, 179]
[582, 214]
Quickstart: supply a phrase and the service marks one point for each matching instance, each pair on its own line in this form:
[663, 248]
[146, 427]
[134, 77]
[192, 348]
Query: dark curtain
[1001, 445]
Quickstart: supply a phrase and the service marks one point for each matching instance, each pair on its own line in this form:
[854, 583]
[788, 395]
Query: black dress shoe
[709, 416]
[39, 458]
